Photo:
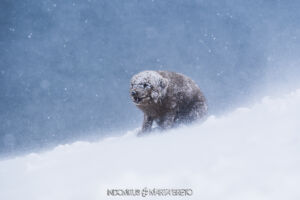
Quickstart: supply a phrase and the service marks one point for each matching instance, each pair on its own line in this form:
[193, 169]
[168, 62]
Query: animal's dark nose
[133, 93]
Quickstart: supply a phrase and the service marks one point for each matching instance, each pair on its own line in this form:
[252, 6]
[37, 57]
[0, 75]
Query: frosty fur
[168, 98]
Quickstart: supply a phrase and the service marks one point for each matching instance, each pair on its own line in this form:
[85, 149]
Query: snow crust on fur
[147, 77]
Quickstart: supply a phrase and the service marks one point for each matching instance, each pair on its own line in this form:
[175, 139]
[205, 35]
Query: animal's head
[148, 87]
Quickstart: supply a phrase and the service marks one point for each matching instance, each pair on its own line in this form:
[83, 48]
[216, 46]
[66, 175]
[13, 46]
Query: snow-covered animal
[168, 98]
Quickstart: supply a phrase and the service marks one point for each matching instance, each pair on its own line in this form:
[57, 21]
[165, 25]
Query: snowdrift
[251, 153]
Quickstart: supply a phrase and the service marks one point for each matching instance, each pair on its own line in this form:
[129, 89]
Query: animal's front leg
[167, 121]
[147, 124]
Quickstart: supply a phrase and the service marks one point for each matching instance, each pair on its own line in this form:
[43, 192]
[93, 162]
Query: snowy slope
[251, 153]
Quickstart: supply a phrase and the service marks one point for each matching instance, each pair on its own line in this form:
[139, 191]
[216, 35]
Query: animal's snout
[133, 93]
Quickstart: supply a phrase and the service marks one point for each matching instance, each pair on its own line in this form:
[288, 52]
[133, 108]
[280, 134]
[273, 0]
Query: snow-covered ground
[251, 153]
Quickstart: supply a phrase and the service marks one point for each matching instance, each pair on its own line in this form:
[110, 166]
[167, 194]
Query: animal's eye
[146, 85]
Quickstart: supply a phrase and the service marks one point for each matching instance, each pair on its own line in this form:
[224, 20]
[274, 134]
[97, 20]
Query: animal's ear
[154, 96]
[163, 82]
